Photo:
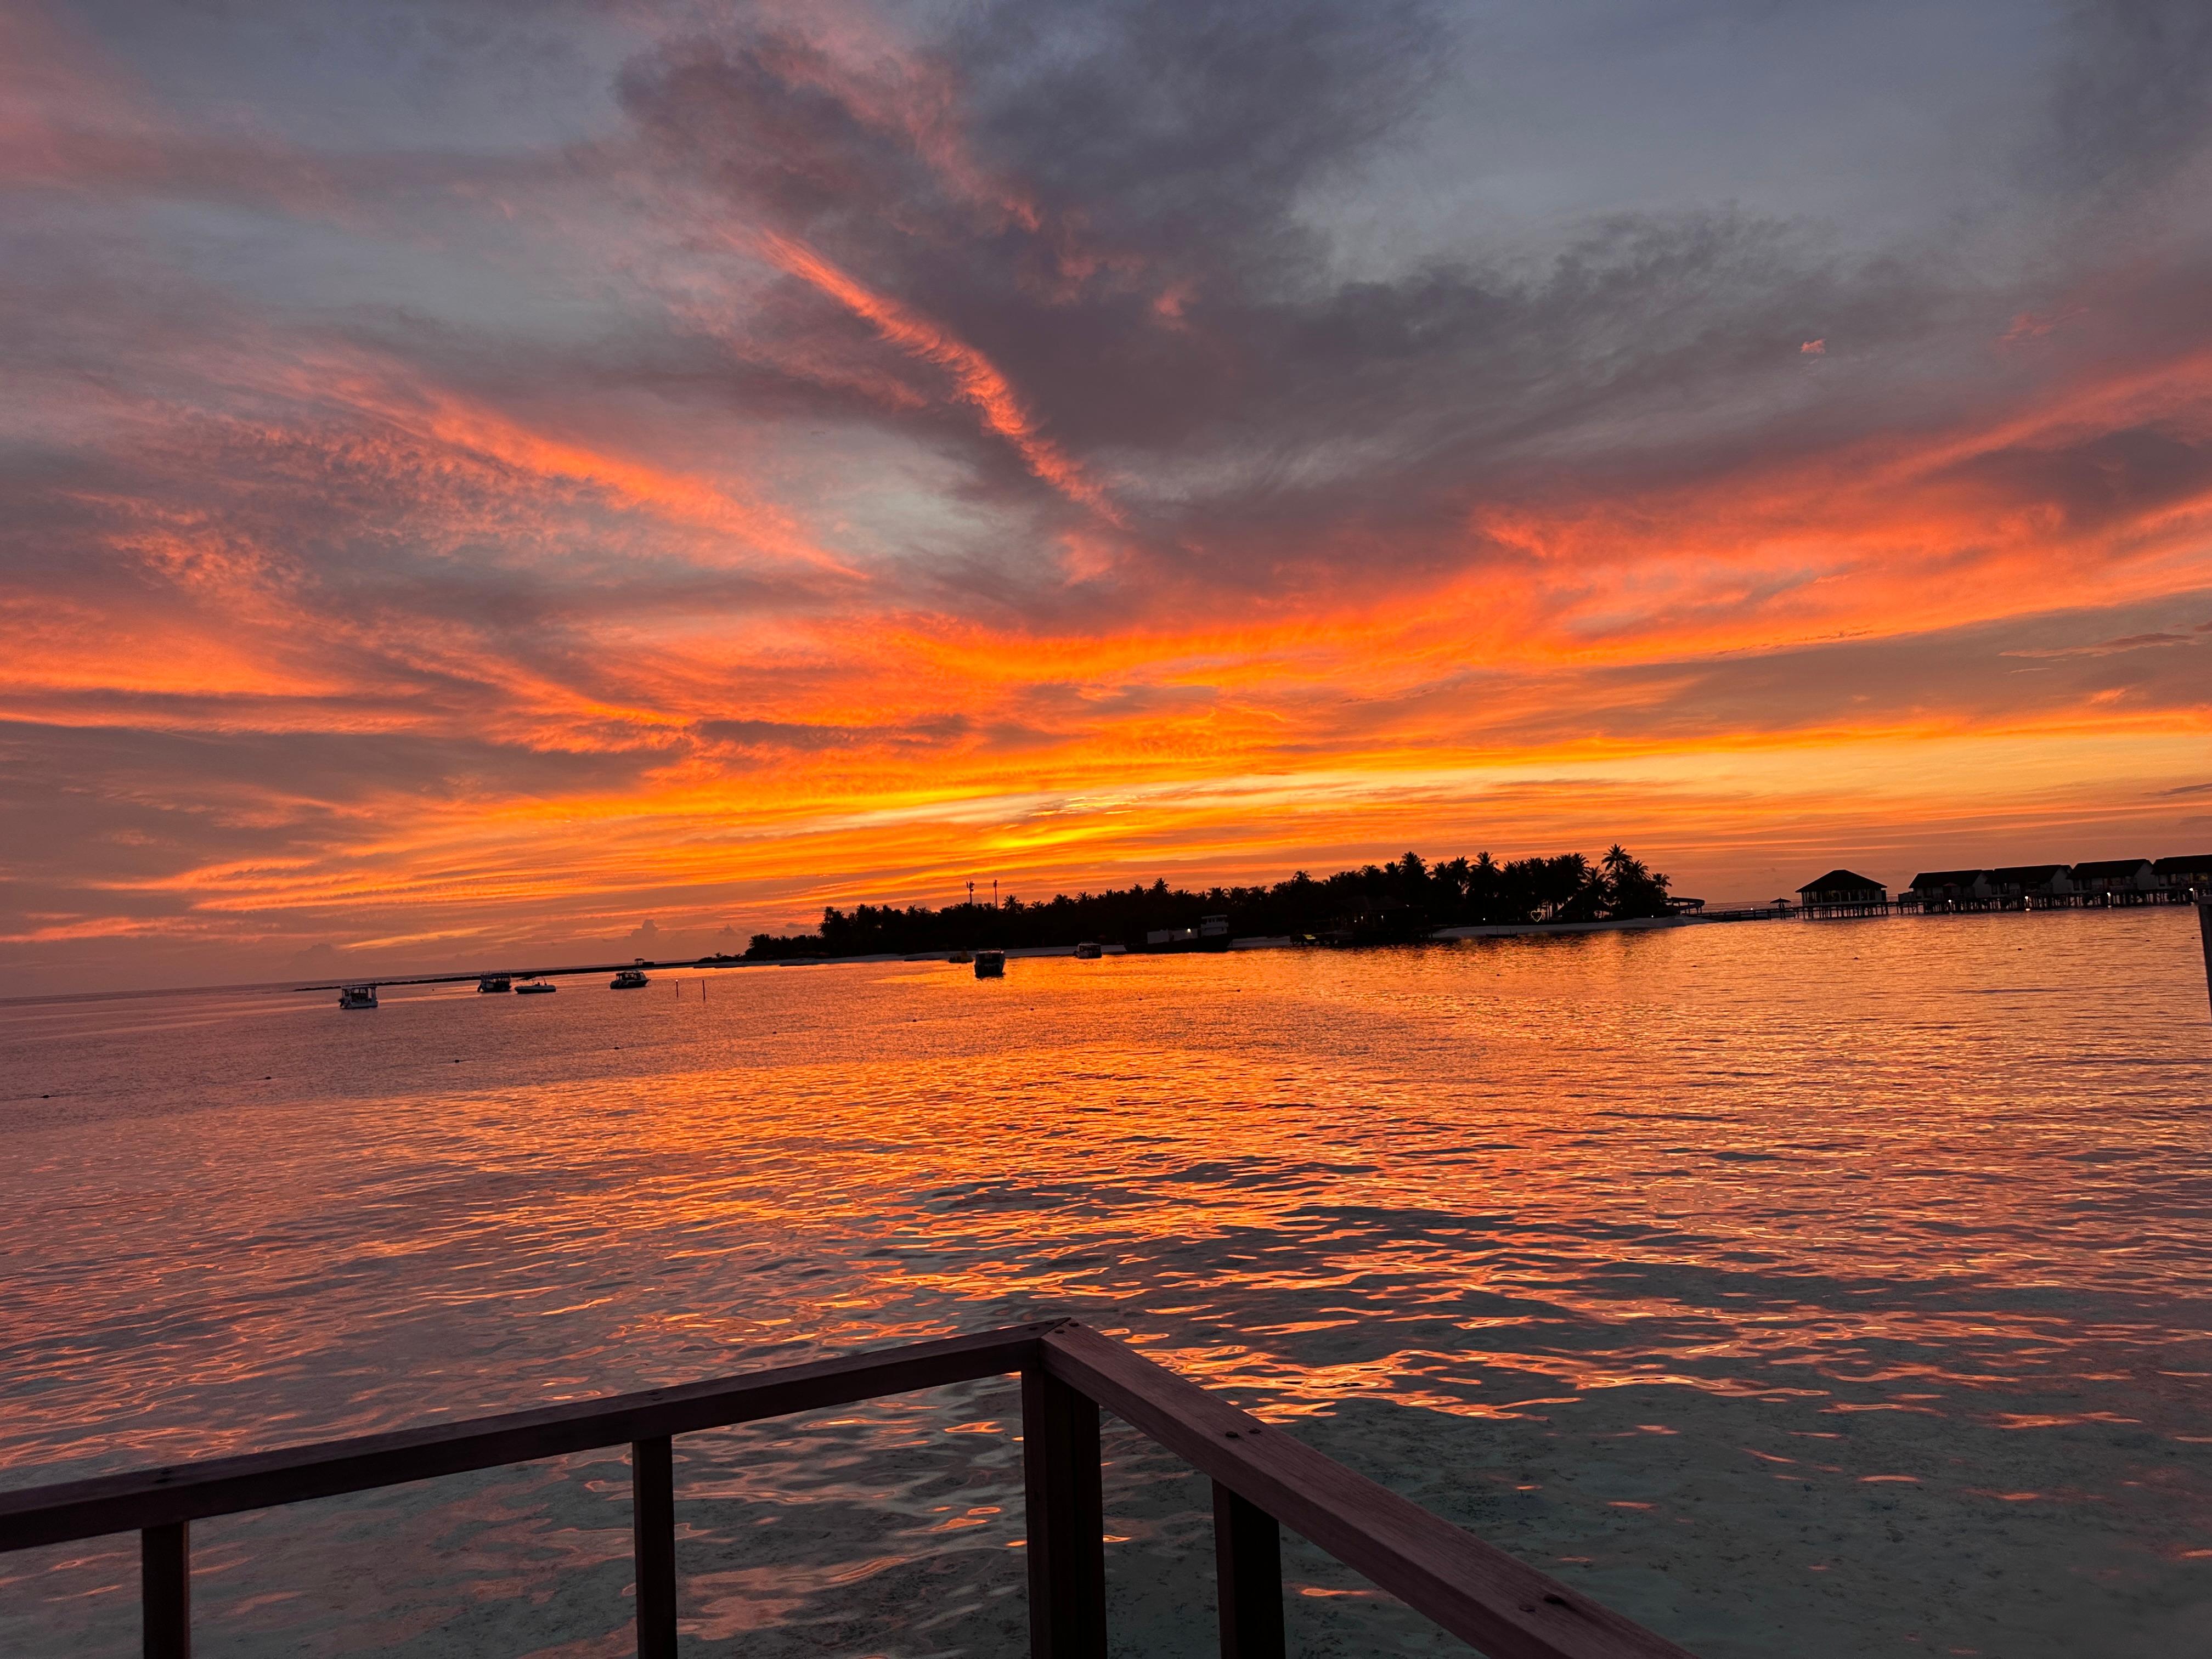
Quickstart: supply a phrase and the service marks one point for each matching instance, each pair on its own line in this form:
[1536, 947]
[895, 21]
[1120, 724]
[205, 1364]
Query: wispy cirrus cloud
[2154, 641]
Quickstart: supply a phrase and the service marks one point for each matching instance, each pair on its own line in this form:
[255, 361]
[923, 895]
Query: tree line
[1406, 899]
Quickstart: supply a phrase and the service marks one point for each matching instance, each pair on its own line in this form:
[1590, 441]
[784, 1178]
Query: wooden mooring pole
[2205, 929]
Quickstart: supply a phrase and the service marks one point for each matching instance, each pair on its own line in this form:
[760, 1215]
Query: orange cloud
[977, 380]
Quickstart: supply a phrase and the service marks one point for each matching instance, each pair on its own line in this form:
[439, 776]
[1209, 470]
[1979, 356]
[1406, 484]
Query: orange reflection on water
[1548, 1233]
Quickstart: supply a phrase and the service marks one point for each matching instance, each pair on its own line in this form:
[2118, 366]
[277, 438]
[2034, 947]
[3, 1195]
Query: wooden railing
[1263, 1480]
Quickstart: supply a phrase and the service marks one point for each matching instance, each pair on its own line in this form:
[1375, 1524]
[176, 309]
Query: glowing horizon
[507, 481]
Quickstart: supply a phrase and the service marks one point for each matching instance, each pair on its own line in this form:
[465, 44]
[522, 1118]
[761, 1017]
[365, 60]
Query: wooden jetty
[1263, 1480]
[516, 975]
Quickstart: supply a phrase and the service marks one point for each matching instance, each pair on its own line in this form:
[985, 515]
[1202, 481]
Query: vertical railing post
[1066, 1520]
[165, 1590]
[1248, 1554]
[653, 1533]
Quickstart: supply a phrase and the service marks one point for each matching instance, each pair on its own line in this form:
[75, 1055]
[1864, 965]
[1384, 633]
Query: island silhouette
[1409, 898]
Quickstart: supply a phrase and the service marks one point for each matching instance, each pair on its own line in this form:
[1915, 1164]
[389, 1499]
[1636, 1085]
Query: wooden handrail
[1261, 1477]
[226, 1486]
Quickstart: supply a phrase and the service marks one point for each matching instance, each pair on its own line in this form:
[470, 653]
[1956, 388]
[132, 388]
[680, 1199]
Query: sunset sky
[486, 479]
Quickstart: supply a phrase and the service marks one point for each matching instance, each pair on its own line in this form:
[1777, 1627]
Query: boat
[495, 982]
[357, 996]
[990, 964]
[537, 987]
[1088, 952]
[960, 957]
[629, 979]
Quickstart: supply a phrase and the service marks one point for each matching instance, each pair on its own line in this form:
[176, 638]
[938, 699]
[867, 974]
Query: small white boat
[537, 987]
[990, 964]
[495, 982]
[1088, 952]
[357, 996]
[629, 979]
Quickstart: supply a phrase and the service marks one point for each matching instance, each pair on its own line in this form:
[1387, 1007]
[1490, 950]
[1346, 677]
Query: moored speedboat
[537, 987]
[990, 964]
[629, 979]
[357, 996]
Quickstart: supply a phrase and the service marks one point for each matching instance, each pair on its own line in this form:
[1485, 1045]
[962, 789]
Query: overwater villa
[2099, 883]
[2025, 883]
[1843, 893]
[2115, 879]
[1952, 890]
[2192, 872]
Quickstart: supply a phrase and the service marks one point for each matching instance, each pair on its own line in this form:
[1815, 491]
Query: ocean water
[1821, 1289]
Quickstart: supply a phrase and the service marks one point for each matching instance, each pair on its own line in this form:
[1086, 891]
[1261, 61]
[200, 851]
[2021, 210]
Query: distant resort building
[2188, 873]
[2025, 884]
[2115, 879]
[1212, 933]
[2099, 883]
[1843, 893]
[1952, 890]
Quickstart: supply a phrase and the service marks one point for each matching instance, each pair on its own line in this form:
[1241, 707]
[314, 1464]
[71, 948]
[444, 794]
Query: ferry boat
[629, 979]
[495, 982]
[357, 996]
[537, 987]
[990, 964]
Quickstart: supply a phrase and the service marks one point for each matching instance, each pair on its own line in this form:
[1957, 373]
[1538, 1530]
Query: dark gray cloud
[2134, 95]
[1112, 158]
[2095, 481]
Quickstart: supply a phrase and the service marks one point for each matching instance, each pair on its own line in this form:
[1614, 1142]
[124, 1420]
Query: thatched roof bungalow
[1842, 887]
[1843, 893]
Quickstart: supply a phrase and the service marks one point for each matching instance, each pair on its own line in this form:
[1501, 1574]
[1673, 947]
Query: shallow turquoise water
[1828, 1289]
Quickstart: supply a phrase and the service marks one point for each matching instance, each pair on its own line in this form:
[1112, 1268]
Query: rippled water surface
[1825, 1289]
